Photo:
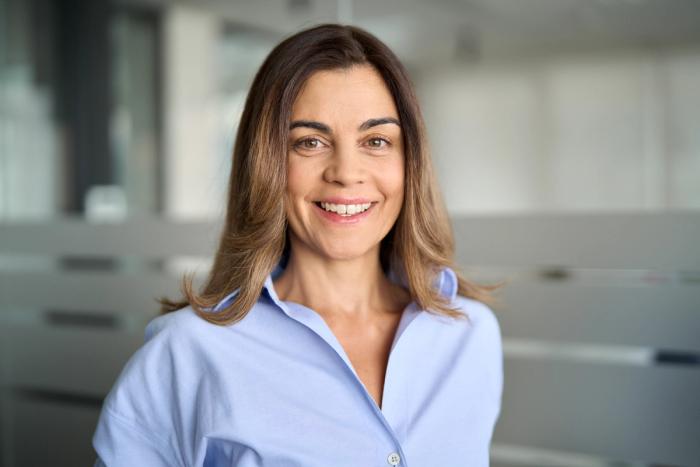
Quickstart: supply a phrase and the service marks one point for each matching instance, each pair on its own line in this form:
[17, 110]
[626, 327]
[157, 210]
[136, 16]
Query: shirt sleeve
[120, 442]
[494, 358]
[499, 370]
[137, 423]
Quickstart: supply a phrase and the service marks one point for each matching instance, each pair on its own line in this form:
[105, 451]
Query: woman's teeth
[345, 209]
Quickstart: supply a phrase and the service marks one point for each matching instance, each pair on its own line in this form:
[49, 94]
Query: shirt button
[394, 458]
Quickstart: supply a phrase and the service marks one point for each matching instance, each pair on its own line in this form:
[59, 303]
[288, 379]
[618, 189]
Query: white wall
[588, 132]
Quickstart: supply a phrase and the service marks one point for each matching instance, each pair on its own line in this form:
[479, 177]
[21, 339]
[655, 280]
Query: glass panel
[30, 146]
[134, 121]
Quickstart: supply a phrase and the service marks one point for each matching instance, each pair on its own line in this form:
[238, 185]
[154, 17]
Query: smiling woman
[335, 167]
[334, 326]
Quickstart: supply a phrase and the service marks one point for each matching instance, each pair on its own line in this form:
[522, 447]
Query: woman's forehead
[351, 95]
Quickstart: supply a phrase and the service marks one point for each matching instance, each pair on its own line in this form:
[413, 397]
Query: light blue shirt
[277, 390]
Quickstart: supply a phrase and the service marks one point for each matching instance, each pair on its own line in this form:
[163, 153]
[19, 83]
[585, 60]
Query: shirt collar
[446, 282]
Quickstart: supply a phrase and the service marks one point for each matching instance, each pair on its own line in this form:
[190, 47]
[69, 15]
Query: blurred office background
[566, 134]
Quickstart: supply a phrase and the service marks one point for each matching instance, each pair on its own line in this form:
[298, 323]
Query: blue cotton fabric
[277, 390]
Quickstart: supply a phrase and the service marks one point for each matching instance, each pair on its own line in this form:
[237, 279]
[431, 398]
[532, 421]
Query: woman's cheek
[393, 178]
[297, 176]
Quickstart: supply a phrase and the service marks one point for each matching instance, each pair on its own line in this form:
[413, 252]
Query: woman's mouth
[344, 209]
[344, 213]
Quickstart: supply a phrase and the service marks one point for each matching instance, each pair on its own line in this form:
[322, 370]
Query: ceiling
[448, 30]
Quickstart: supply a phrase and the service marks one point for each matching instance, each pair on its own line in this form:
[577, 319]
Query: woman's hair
[254, 237]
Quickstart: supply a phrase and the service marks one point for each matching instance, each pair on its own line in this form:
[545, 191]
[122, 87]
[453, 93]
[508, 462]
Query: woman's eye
[308, 143]
[377, 143]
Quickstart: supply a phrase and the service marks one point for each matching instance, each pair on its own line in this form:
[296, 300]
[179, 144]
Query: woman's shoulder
[181, 322]
[476, 333]
[481, 320]
[477, 312]
[169, 357]
[184, 328]
[483, 343]
[143, 405]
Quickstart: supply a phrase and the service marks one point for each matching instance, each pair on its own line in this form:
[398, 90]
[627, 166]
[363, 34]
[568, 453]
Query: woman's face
[345, 178]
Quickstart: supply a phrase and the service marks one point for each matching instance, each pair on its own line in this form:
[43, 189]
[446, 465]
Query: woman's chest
[368, 350]
[303, 405]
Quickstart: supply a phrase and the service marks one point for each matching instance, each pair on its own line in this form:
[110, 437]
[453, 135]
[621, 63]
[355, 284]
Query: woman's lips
[343, 200]
[338, 219]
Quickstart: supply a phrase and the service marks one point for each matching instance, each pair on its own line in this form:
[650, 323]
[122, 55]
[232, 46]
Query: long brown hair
[254, 236]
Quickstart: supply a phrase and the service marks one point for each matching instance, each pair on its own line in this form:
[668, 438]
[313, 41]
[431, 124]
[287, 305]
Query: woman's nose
[345, 166]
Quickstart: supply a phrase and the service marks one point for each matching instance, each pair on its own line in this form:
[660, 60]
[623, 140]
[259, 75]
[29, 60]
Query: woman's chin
[345, 252]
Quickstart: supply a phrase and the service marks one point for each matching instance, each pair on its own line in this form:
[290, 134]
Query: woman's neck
[354, 288]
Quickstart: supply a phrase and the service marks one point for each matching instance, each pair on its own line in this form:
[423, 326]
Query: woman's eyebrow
[323, 128]
[378, 121]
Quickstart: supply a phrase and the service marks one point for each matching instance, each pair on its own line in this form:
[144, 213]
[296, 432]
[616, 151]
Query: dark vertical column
[159, 97]
[42, 40]
[83, 94]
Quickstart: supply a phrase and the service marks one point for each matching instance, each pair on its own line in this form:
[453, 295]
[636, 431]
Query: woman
[333, 329]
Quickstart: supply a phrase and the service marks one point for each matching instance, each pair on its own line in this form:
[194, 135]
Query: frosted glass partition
[599, 320]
